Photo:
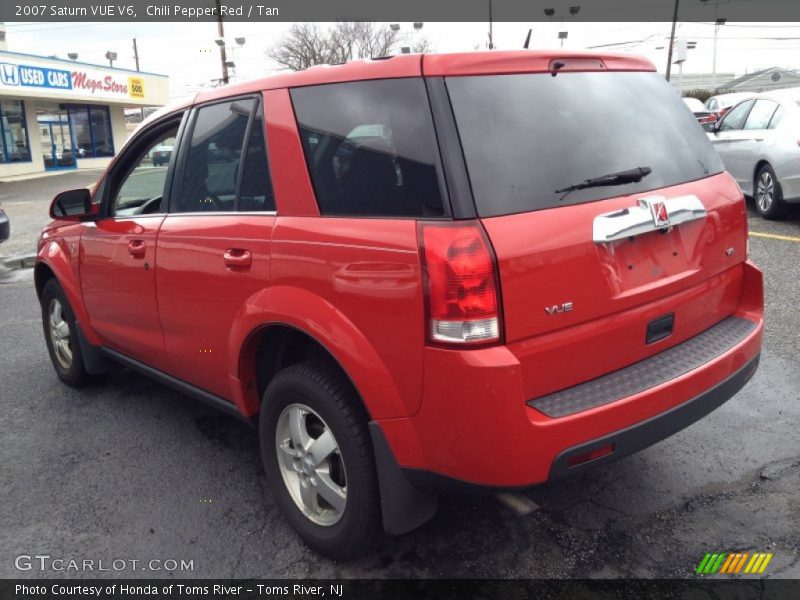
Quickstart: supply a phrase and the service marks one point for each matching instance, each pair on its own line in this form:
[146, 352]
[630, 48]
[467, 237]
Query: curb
[21, 261]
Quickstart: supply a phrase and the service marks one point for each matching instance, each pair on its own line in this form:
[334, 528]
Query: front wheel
[318, 458]
[768, 194]
[61, 335]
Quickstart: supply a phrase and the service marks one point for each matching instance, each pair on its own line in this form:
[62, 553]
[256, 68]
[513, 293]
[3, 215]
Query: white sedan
[759, 143]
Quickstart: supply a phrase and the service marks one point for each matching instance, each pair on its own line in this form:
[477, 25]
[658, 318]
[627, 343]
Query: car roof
[416, 65]
[733, 97]
[436, 65]
[784, 95]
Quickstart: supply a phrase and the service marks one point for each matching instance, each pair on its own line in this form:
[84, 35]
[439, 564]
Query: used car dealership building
[63, 114]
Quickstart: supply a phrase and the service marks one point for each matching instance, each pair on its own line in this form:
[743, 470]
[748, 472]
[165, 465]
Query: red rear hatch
[607, 209]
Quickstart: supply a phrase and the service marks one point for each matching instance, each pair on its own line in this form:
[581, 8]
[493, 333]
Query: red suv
[477, 271]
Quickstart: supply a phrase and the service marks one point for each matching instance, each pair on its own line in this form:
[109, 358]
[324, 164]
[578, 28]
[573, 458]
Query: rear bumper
[5, 227]
[477, 427]
[641, 435]
[624, 442]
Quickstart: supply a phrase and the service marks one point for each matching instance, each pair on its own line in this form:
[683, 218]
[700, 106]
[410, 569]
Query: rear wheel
[60, 333]
[319, 461]
[768, 195]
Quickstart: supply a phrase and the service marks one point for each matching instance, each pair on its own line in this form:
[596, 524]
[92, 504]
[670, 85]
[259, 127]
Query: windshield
[526, 136]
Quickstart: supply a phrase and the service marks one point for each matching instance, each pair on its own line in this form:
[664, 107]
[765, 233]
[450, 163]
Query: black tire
[73, 373]
[769, 200]
[327, 392]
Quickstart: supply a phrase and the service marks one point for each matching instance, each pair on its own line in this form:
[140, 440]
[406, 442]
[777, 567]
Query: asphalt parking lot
[128, 469]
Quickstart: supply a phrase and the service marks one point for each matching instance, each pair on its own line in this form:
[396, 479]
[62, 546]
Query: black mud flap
[404, 507]
[95, 362]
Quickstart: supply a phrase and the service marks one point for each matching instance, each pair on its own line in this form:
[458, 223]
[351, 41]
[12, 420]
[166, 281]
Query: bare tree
[308, 44]
[304, 45]
[422, 45]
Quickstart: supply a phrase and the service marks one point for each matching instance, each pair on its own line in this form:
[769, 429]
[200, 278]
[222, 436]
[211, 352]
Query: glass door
[56, 135]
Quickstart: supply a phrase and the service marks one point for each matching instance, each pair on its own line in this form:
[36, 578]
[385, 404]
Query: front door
[214, 246]
[118, 252]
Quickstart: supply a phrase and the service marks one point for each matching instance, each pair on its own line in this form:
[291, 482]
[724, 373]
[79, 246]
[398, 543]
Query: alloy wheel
[765, 191]
[59, 333]
[311, 464]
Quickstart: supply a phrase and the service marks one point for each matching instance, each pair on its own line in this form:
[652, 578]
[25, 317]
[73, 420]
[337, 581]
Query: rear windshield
[526, 136]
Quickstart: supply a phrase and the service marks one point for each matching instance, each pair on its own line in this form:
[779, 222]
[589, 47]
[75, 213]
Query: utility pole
[672, 39]
[491, 38]
[136, 61]
[221, 32]
[135, 54]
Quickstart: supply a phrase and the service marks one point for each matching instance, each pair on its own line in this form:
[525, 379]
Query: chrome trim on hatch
[644, 217]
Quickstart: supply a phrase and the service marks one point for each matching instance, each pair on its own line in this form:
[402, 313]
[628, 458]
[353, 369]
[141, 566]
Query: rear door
[744, 155]
[572, 254]
[118, 251]
[214, 246]
[731, 141]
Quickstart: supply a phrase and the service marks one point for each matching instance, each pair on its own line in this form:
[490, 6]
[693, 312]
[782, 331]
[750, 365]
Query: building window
[14, 130]
[91, 130]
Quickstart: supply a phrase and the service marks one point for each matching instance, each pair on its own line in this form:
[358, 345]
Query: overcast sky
[187, 53]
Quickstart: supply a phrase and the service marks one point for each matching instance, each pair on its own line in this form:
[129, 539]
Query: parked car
[722, 103]
[161, 155]
[504, 289]
[5, 226]
[759, 144]
[705, 117]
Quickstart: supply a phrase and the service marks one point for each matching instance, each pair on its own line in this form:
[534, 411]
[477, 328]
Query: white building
[63, 114]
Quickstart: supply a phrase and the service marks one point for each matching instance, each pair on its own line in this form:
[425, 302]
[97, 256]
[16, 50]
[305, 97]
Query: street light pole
[550, 13]
[717, 23]
[221, 31]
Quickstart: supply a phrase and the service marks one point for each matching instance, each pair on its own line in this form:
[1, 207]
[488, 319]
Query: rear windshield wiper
[619, 178]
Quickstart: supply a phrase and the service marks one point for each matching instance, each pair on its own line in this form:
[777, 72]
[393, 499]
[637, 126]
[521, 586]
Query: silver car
[759, 143]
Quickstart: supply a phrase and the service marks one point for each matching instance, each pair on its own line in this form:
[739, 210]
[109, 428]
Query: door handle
[137, 248]
[237, 258]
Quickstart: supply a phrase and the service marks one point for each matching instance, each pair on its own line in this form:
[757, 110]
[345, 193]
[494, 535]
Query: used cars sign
[30, 76]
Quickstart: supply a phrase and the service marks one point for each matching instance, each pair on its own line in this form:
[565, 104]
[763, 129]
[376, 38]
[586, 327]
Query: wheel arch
[42, 272]
[53, 262]
[281, 325]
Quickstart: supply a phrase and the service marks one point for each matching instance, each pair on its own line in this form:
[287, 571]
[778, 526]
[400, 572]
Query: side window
[735, 118]
[761, 114]
[141, 188]
[213, 157]
[776, 118]
[255, 188]
[370, 148]
[711, 104]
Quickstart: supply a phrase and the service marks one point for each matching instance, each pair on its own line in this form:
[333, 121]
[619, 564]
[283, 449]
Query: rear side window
[761, 114]
[777, 117]
[212, 162]
[526, 136]
[370, 148]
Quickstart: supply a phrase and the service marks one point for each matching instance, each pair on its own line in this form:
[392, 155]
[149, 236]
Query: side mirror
[72, 205]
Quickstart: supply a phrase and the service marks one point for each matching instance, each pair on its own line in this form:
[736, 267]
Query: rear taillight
[461, 284]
